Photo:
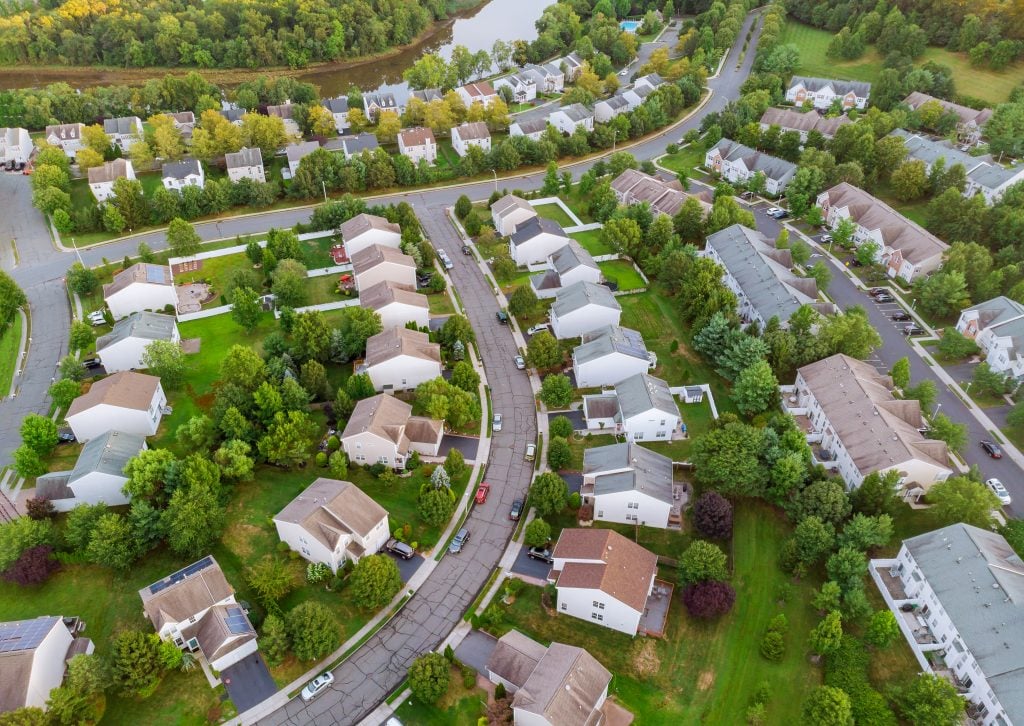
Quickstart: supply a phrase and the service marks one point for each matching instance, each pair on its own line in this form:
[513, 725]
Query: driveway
[406, 568]
[575, 481]
[579, 423]
[475, 650]
[525, 565]
[248, 682]
[468, 445]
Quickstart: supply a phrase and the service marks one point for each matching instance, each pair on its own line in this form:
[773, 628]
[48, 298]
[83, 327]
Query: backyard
[684, 160]
[622, 273]
[460, 706]
[593, 242]
[554, 212]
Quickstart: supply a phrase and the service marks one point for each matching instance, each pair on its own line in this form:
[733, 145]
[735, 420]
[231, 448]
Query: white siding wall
[255, 173]
[401, 274]
[97, 487]
[229, 659]
[645, 509]
[312, 549]
[100, 419]
[654, 425]
[48, 666]
[584, 320]
[367, 448]
[141, 296]
[403, 373]
[585, 604]
[506, 224]
[399, 314]
[581, 273]
[381, 237]
[609, 370]
[537, 249]
[126, 355]
[192, 180]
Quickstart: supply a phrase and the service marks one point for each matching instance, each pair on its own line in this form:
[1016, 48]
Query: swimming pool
[630, 26]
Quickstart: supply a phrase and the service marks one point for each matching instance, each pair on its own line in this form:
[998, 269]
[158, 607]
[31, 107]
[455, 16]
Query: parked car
[878, 291]
[517, 510]
[400, 549]
[531, 452]
[502, 317]
[467, 250]
[481, 492]
[992, 448]
[538, 328]
[91, 363]
[540, 553]
[825, 238]
[900, 317]
[999, 490]
[772, 211]
[520, 363]
[496, 422]
[884, 297]
[913, 329]
[65, 435]
[780, 214]
[460, 540]
[317, 686]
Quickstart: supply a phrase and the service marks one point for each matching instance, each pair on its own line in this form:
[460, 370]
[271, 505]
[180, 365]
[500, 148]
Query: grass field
[593, 242]
[684, 160]
[555, 212]
[10, 339]
[623, 273]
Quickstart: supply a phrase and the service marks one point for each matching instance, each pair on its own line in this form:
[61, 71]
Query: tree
[246, 309]
[712, 515]
[756, 389]
[727, 459]
[523, 301]
[560, 426]
[812, 540]
[112, 543]
[27, 462]
[708, 599]
[182, 238]
[464, 376]
[374, 581]
[827, 598]
[64, 391]
[703, 561]
[358, 325]
[193, 519]
[12, 297]
[825, 500]
[165, 360]
[924, 392]
[900, 373]
[313, 630]
[289, 283]
[863, 532]
[556, 391]
[538, 533]
[147, 472]
[943, 293]
[22, 534]
[271, 579]
[826, 635]
[828, 706]
[79, 279]
[274, 641]
[1005, 129]
[436, 504]
[311, 335]
[543, 351]
[961, 499]
[559, 453]
[429, 677]
[944, 428]
[81, 336]
[463, 206]
[32, 567]
[288, 439]
[38, 433]
[773, 647]
[135, 664]
[989, 382]
[882, 630]
[954, 345]
[931, 699]
[549, 494]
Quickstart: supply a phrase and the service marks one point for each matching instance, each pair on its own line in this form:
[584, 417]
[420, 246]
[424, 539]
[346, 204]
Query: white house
[610, 355]
[396, 304]
[333, 522]
[603, 578]
[246, 163]
[929, 151]
[523, 86]
[471, 134]
[102, 178]
[33, 658]
[581, 308]
[338, 106]
[569, 118]
[232, 114]
[629, 484]
[15, 145]
[378, 263]
[663, 197]
[286, 112]
[737, 163]
[970, 121]
[374, 103]
[652, 81]
[295, 153]
[904, 247]
[417, 144]
[123, 348]
[788, 119]
[566, 266]
[641, 408]
[66, 136]
[98, 476]
[143, 286]
[549, 78]
[608, 108]
[822, 92]
[958, 597]
[382, 430]
[856, 426]
[127, 401]
[510, 211]
[996, 325]
[195, 608]
[477, 92]
[176, 175]
[399, 359]
[365, 229]
[185, 122]
[123, 131]
[532, 128]
[557, 685]
[636, 95]
[535, 239]
[992, 180]
[571, 65]
[355, 145]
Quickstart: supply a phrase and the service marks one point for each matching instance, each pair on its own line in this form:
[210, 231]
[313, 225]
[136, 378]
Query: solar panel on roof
[155, 274]
[180, 575]
[24, 634]
[237, 622]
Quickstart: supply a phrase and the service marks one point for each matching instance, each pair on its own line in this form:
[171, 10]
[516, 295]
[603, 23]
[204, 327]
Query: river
[477, 29]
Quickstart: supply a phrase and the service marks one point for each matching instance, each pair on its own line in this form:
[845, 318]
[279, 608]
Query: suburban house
[641, 408]
[636, 95]
[176, 175]
[382, 430]
[232, 115]
[399, 359]
[759, 275]
[823, 92]
[143, 286]
[427, 95]
[603, 577]
[581, 308]
[471, 134]
[98, 476]
[396, 304]
[992, 180]
[286, 112]
[904, 247]
[67, 137]
[535, 239]
[567, 265]
[737, 163]
[333, 522]
[569, 118]
[365, 229]
[127, 401]
[510, 211]
[929, 151]
[195, 608]
[374, 103]
[856, 426]
[532, 128]
[652, 81]
[245, 163]
[478, 92]
[123, 131]
[184, 122]
[102, 178]
[418, 143]
[607, 109]
[122, 349]
[15, 145]
[610, 355]
[629, 484]
[338, 106]
[378, 263]
[997, 326]
[549, 78]
[522, 85]
[359, 143]
[557, 685]
[33, 658]
[971, 122]
[663, 197]
[571, 65]
[957, 594]
[788, 119]
[295, 153]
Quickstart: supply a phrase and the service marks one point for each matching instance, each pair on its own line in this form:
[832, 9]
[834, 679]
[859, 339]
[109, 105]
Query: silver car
[496, 422]
[317, 686]
[999, 490]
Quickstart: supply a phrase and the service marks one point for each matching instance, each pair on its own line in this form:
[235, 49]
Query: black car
[992, 449]
[92, 363]
[913, 330]
[781, 214]
[460, 540]
[540, 553]
[400, 549]
[66, 436]
[900, 317]
[517, 510]
[467, 250]
[502, 317]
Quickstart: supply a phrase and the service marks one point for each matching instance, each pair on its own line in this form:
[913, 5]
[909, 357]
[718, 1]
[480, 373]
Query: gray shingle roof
[244, 157]
[181, 169]
[338, 104]
[531, 125]
[570, 257]
[145, 325]
[577, 112]
[107, 454]
[530, 228]
[640, 393]
[121, 125]
[580, 295]
[997, 310]
[615, 102]
[607, 340]
[772, 167]
[428, 94]
[859, 88]
[929, 151]
[993, 176]
[361, 142]
[297, 152]
[966, 115]
[629, 467]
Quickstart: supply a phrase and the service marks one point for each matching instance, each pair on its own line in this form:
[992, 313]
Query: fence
[323, 307]
[185, 317]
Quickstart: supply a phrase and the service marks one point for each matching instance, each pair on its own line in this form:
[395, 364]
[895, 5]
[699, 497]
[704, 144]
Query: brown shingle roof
[515, 657]
[397, 341]
[480, 89]
[474, 130]
[383, 415]
[620, 568]
[363, 223]
[110, 171]
[966, 115]
[180, 600]
[126, 389]
[373, 255]
[139, 272]
[565, 687]
[384, 293]
[328, 507]
[418, 136]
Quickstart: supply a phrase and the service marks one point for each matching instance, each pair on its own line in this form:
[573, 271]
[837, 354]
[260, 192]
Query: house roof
[397, 341]
[122, 125]
[417, 136]
[762, 272]
[107, 454]
[364, 222]
[391, 419]
[636, 187]
[473, 130]
[531, 125]
[386, 292]
[793, 120]
[565, 688]
[629, 467]
[998, 310]
[126, 389]
[860, 89]
[530, 228]
[428, 94]
[994, 176]
[966, 115]
[296, 152]
[360, 142]
[144, 325]
[110, 171]
[232, 114]
[479, 89]
[18, 642]
[181, 169]
[222, 629]
[640, 393]
[979, 581]
[921, 148]
[244, 157]
[915, 243]
[755, 161]
[514, 657]
[66, 132]
[283, 111]
[519, 78]
[373, 255]
[580, 295]
[576, 112]
[183, 118]
[877, 430]
[509, 202]
[185, 593]
[571, 256]
[338, 104]
[140, 272]
[603, 405]
[384, 101]
[328, 508]
[615, 102]
[651, 79]
[608, 340]
[618, 566]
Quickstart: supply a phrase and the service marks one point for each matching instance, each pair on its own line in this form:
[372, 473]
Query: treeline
[213, 34]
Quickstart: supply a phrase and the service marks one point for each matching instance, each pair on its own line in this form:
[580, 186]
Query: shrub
[773, 647]
[560, 426]
[538, 532]
[429, 677]
[499, 691]
[317, 572]
[712, 515]
[33, 567]
[38, 508]
[779, 624]
[709, 599]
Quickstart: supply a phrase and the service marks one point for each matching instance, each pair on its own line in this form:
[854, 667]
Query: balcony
[655, 614]
[823, 456]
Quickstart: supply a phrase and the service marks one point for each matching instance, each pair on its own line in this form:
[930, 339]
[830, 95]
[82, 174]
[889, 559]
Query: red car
[481, 492]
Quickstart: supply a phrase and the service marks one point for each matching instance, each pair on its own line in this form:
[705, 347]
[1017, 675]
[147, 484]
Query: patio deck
[652, 622]
[892, 584]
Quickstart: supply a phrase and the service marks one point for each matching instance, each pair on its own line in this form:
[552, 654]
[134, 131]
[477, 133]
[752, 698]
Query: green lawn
[578, 204]
[440, 304]
[593, 242]
[10, 340]
[555, 212]
[684, 160]
[217, 271]
[623, 273]
[578, 444]
[697, 417]
[461, 706]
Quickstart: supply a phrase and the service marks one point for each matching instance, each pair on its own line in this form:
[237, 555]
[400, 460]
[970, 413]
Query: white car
[496, 423]
[999, 490]
[520, 363]
[538, 328]
[317, 686]
[771, 211]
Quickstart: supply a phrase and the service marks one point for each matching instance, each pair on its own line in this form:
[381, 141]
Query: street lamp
[615, 136]
[77, 253]
[324, 185]
[495, 179]
[937, 407]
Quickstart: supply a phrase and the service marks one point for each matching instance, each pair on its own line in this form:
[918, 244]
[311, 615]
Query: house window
[661, 434]
[638, 436]
[193, 644]
[597, 616]
[600, 513]
[565, 606]
[382, 460]
[633, 505]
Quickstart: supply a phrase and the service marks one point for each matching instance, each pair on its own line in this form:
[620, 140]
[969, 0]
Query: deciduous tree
[374, 581]
[313, 630]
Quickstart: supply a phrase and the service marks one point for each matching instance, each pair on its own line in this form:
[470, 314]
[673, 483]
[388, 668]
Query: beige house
[127, 401]
[478, 92]
[970, 121]
[332, 522]
[396, 304]
[399, 359]
[636, 187]
[33, 658]
[364, 230]
[141, 287]
[102, 178]
[788, 119]
[471, 134]
[382, 430]
[509, 212]
[67, 137]
[245, 163]
[378, 263]
[418, 144]
[286, 112]
[823, 92]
